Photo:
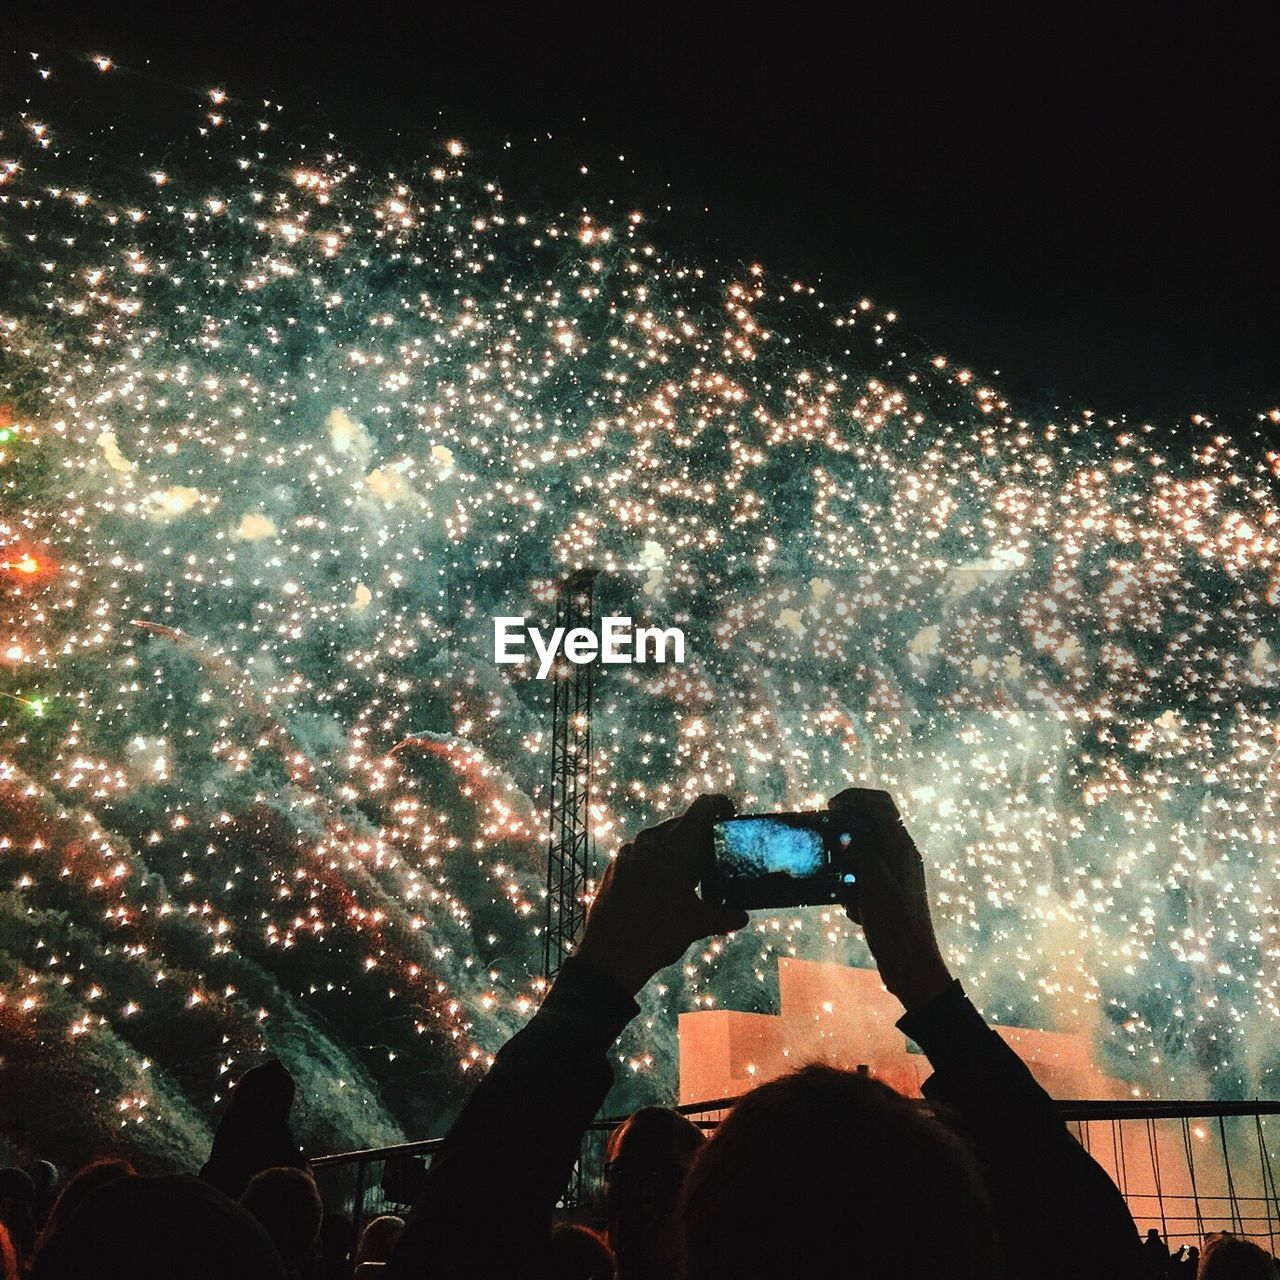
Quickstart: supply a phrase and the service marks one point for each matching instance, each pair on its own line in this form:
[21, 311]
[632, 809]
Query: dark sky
[1077, 196]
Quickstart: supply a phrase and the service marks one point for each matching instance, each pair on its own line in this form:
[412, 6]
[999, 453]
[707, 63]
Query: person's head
[264, 1094]
[1226, 1258]
[575, 1253]
[646, 1160]
[379, 1238]
[83, 1183]
[44, 1178]
[1153, 1233]
[827, 1174]
[16, 1185]
[337, 1237]
[288, 1205]
[155, 1229]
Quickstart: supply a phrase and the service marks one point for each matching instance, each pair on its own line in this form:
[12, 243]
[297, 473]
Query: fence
[1190, 1169]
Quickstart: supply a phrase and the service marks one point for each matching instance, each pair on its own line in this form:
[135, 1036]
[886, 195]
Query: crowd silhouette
[820, 1174]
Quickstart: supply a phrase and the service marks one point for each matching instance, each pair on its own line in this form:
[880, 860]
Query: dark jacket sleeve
[486, 1207]
[1060, 1215]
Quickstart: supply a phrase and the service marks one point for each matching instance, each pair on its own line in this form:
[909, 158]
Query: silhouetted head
[379, 1238]
[264, 1093]
[81, 1184]
[44, 1178]
[337, 1237]
[156, 1229]
[1226, 1258]
[288, 1205]
[829, 1174]
[575, 1253]
[646, 1160]
[16, 1184]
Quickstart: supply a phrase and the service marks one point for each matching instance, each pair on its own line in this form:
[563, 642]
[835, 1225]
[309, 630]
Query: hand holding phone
[856, 854]
[893, 904]
[647, 910]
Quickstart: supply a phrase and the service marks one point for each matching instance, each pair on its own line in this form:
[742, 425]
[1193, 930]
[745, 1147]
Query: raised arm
[1045, 1186]
[486, 1209]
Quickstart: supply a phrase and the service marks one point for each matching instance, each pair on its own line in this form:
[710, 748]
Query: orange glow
[26, 563]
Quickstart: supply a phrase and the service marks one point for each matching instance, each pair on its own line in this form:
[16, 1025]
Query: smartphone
[767, 860]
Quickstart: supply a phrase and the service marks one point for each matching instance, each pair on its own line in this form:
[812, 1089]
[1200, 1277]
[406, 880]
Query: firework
[282, 433]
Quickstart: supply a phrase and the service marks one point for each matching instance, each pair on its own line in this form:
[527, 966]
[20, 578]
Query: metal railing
[1188, 1168]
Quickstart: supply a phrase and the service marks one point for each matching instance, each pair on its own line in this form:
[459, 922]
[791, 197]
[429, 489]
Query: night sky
[1072, 196]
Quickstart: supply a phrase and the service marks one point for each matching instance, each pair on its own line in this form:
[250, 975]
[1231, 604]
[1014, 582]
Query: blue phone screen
[750, 847]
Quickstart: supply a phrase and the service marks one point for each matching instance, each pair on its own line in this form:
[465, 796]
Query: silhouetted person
[81, 1184]
[254, 1132]
[1226, 1258]
[493, 1184]
[835, 1174]
[403, 1178]
[646, 1160]
[1155, 1253]
[44, 1178]
[511, 1151]
[337, 1245]
[379, 1239]
[577, 1253]
[287, 1204]
[158, 1229]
